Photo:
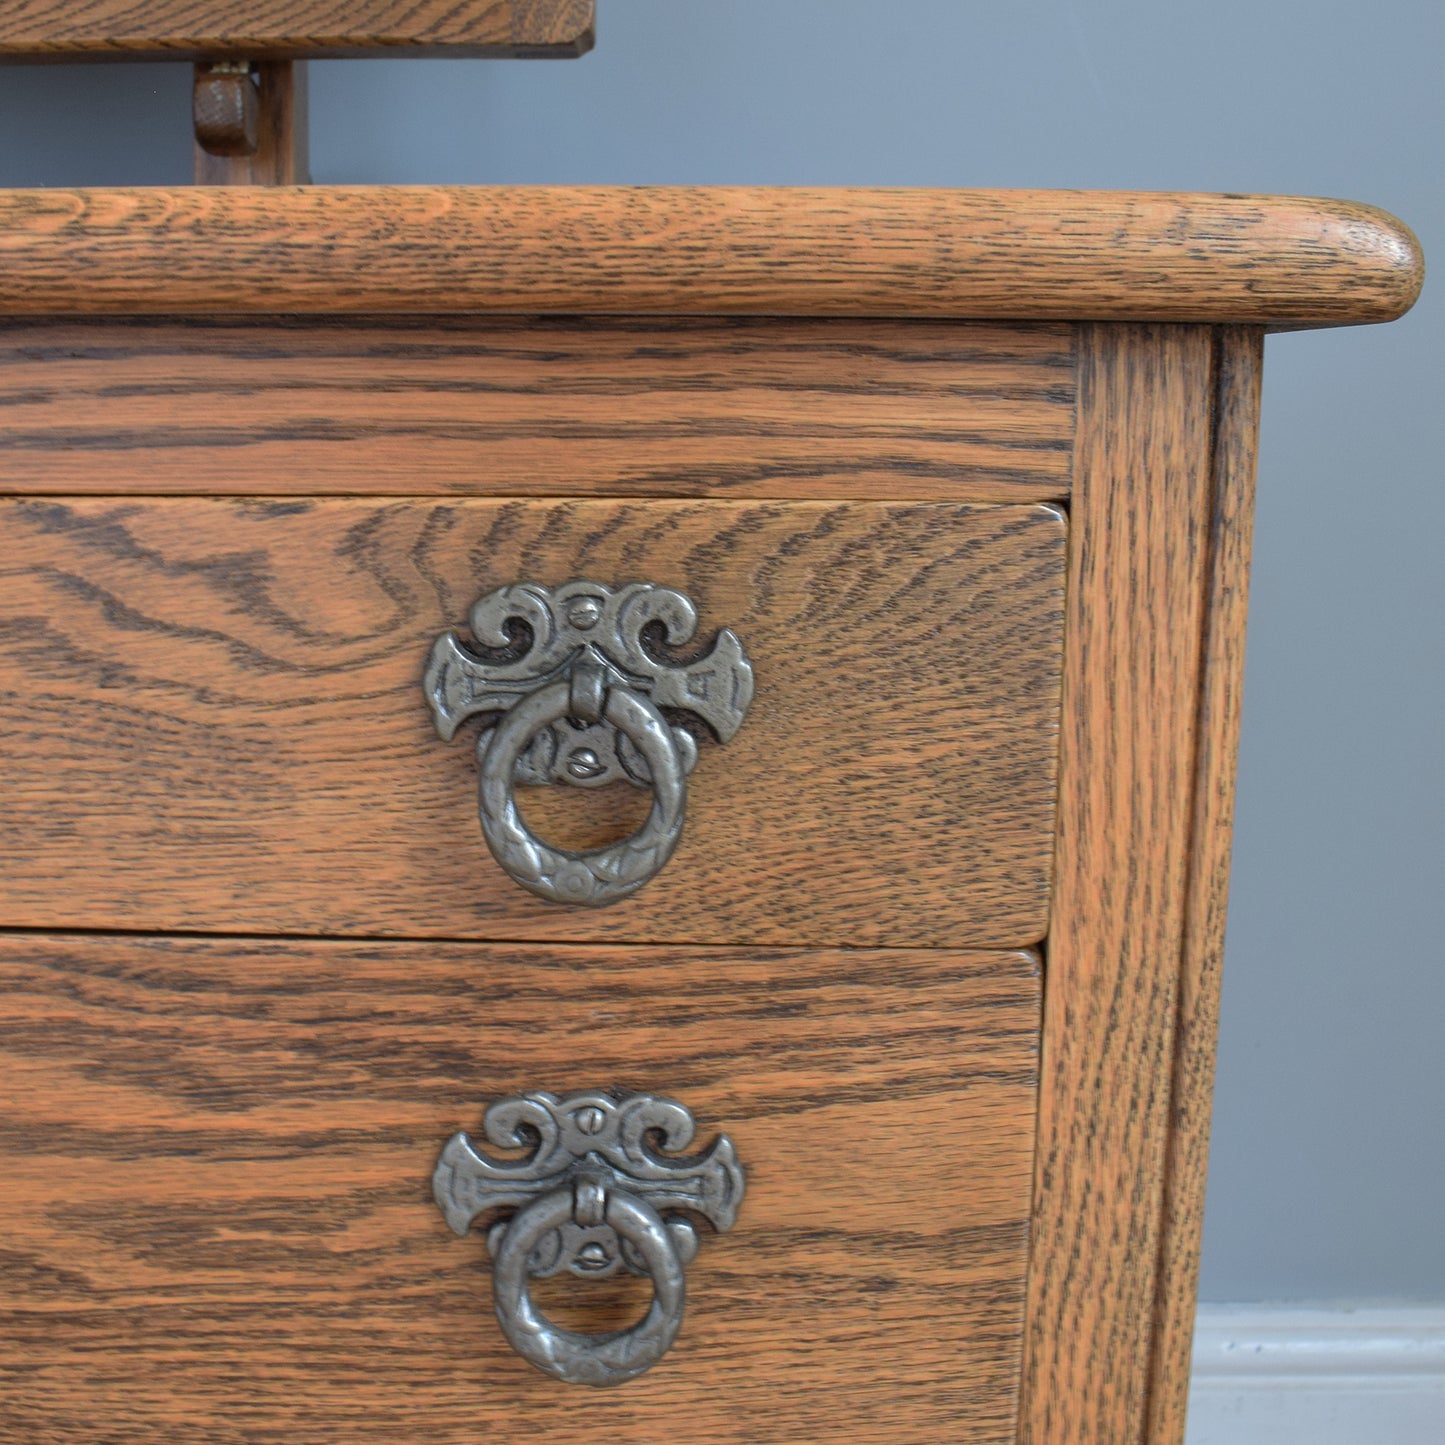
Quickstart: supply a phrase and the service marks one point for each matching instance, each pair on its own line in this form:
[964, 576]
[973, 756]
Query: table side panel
[1140, 558]
[1240, 354]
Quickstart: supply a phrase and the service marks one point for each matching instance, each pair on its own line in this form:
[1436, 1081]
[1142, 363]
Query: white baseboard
[1266, 1375]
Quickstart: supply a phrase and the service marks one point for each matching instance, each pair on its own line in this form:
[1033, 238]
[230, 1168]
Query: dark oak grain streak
[216, 1222]
[1022, 255]
[1138, 582]
[716, 407]
[214, 708]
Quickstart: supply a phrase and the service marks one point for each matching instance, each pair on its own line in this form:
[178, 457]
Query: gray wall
[1328, 1163]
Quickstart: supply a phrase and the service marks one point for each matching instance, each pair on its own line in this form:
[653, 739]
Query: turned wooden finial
[250, 123]
[226, 108]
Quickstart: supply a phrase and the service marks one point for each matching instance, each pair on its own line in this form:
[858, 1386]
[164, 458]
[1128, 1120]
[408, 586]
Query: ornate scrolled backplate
[602, 1189]
[575, 689]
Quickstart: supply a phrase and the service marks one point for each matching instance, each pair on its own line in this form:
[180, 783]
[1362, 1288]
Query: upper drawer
[214, 717]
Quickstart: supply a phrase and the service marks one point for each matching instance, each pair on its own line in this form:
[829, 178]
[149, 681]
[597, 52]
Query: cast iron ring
[599, 875]
[589, 1359]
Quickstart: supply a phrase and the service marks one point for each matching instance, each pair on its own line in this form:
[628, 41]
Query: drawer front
[214, 718]
[218, 1220]
[668, 406]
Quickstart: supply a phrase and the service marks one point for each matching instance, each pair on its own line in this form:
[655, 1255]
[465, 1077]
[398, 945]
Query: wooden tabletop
[1277, 261]
[291, 29]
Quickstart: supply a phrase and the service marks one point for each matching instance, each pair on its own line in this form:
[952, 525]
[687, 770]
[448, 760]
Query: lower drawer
[217, 1218]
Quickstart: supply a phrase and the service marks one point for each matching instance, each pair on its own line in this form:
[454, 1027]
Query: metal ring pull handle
[601, 875]
[596, 1195]
[589, 1359]
[574, 674]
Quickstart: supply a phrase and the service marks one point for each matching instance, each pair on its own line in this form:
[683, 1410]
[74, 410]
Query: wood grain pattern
[280, 154]
[1140, 526]
[213, 715]
[677, 407]
[291, 29]
[217, 1221]
[1240, 353]
[1025, 255]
